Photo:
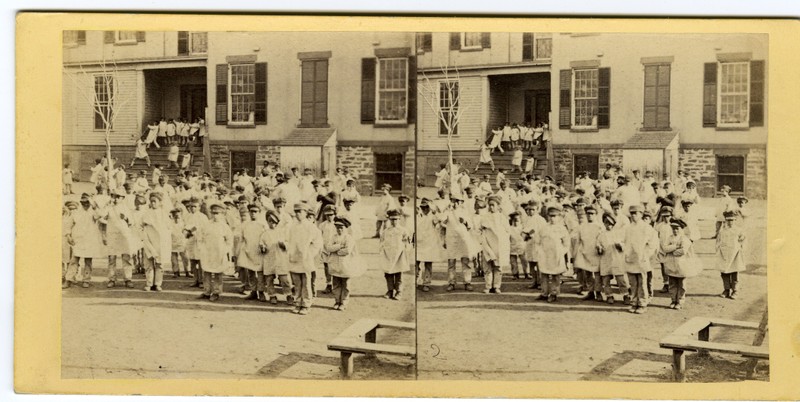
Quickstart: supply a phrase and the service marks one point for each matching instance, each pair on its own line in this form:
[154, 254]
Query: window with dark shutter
[527, 46]
[455, 40]
[368, 90]
[564, 101]
[656, 96]
[183, 43]
[222, 94]
[261, 94]
[314, 93]
[109, 36]
[486, 40]
[757, 93]
[140, 36]
[604, 98]
[424, 42]
[710, 95]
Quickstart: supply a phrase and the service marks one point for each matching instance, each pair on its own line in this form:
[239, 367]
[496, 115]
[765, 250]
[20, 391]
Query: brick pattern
[359, 161]
[756, 173]
[409, 172]
[701, 164]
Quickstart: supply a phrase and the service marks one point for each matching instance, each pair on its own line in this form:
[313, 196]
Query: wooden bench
[693, 336]
[361, 337]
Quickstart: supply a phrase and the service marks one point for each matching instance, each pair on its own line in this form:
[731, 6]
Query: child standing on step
[486, 157]
[516, 160]
[174, 151]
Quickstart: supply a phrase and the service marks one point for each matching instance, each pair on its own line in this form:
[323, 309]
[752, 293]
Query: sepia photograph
[592, 206]
[238, 205]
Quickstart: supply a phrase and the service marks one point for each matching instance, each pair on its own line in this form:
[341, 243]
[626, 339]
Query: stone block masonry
[756, 173]
[359, 161]
[702, 165]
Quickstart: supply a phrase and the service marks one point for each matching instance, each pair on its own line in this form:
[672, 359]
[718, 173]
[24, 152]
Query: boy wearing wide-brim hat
[664, 230]
[274, 261]
[394, 252]
[496, 245]
[328, 229]
[342, 262]
[216, 242]
[119, 238]
[554, 240]
[639, 244]
[428, 243]
[83, 234]
[303, 244]
[677, 249]
[730, 258]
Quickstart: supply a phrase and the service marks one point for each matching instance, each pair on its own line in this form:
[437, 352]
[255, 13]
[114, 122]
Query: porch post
[140, 102]
[484, 107]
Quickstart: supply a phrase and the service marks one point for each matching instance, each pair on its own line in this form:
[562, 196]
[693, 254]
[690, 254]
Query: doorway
[537, 107]
[193, 102]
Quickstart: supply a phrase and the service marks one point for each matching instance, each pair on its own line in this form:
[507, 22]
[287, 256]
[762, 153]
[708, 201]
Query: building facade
[648, 102]
[316, 100]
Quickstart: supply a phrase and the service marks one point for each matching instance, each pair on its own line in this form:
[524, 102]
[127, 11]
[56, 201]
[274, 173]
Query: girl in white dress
[486, 157]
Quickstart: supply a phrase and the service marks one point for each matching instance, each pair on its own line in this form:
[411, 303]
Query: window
[74, 38]
[656, 97]
[241, 160]
[448, 106]
[585, 98]
[389, 170]
[734, 94]
[198, 42]
[731, 171]
[392, 90]
[536, 46]
[103, 101]
[471, 40]
[424, 42]
[314, 93]
[242, 83]
[125, 37]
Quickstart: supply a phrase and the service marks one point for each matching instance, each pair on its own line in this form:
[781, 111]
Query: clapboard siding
[469, 129]
[79, 114]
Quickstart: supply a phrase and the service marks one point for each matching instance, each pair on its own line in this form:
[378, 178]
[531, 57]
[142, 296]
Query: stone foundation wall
[359, 161]
[756, 173]
[700, 164]
[562, 162]
[271, 153]
[612, 156]
[221, 162]
[410, 172]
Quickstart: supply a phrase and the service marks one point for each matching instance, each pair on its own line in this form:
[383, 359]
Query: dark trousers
[393, 282]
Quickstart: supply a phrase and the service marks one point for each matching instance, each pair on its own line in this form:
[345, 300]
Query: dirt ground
[511, 336]
[129, 333]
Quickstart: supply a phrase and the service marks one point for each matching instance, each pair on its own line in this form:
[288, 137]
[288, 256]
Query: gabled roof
[650, 140]
[309, 137]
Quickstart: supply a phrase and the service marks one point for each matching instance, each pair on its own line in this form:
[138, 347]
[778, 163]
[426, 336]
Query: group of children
[512, 135]
[167, 131]
[202, 230]
[602, 233]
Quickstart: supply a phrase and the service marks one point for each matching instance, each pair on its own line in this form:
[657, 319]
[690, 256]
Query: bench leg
[678, 365]
[371, 337]
[703, 336]
[347, 365]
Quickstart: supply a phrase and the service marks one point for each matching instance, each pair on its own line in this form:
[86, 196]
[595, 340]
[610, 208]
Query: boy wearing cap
[216, 242]
[664, 231]
[328, 229]
[194, 223]
[730, 259]
[274, 261]
[532, 222]
[119, 239]
[676, 249]
[555, 243]
[179, 258]
[303, 244]
[728, 204]
[385, 204]
[341, 262]
[587, 261]
[517, 247]
[157, 242]
[609, 248]
[428, 243]
[248, 254]
[496, 244]
[639, 244]
[83, 234]
[392, 248]
[459, 243]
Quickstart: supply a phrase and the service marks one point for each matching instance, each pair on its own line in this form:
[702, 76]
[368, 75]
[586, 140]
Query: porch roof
[650, 140]
[309, 137]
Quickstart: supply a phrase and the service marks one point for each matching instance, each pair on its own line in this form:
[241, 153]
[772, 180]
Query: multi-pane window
[537, 46]
[242, 93]
[392, 90]
[72, 38]
[656, 96]
[448, 105]
[125, 37]
[731, 171]
[585, 98]
[198, 42]
[734, 94]
[471, 40]
[389, 170]
[103, 101]
[314, 93]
